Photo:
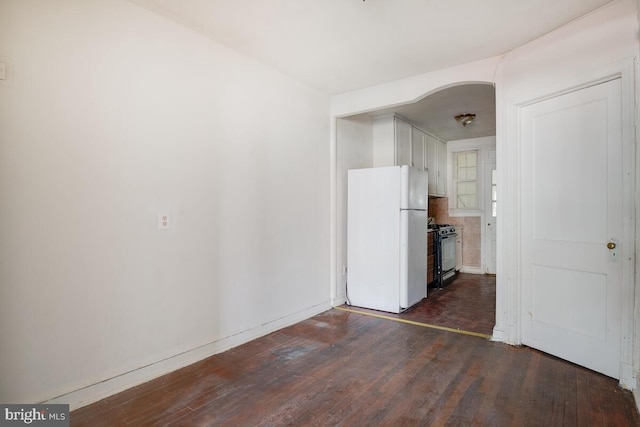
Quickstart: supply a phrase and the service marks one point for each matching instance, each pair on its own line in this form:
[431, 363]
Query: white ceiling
[338, 46]
[436, 113]
[342, 45]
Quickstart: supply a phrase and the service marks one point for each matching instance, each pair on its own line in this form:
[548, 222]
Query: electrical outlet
[164, 222]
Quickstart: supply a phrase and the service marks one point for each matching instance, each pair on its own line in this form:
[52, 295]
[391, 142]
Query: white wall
[354, 151]
[112, 115]
[384, 140]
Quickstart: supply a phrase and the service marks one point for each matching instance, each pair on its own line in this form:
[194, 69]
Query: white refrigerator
[387, 237]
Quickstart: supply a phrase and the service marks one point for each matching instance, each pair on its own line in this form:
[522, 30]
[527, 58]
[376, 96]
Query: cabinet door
[431, 159]
[417, 148]
[442, 168]
[403, 142]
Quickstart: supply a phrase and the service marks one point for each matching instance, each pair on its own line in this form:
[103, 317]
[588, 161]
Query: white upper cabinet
[441, 188]
[397, 142]
[402, 142]
[436, 164]
[417, 148]
[431, 157]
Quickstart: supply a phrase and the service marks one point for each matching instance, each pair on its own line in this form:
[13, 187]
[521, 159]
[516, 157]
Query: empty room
[353, 212]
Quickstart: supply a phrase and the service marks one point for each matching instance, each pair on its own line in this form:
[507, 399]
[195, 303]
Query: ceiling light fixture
[465, 119]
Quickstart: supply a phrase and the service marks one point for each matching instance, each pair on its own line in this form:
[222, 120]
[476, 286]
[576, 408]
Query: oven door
[448, 253]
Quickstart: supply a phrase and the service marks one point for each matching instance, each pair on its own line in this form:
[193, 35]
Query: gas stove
[443, 229]
[445, 252]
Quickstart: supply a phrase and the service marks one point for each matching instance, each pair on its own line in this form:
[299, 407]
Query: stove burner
[443, 229]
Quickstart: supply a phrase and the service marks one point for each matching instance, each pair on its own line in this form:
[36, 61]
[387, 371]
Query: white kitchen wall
[113, 115]
[354, 151]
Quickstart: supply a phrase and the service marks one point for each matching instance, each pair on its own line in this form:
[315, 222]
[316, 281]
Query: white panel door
[571, 193]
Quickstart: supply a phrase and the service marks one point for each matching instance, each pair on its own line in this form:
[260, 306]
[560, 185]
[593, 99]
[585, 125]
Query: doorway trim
[374, 98]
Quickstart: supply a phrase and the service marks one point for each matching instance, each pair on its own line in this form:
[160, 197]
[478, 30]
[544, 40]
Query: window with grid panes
[466, 179]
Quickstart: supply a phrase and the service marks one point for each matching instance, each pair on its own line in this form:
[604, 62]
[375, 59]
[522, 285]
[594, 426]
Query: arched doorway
[358, 145]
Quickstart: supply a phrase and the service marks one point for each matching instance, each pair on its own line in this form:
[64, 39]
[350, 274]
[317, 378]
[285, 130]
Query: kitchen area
[450, 136]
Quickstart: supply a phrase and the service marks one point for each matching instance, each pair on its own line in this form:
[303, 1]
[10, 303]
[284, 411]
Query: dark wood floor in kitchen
[467, 303]
[342, 368]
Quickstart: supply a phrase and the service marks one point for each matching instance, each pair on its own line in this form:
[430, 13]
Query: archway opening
[365, 140]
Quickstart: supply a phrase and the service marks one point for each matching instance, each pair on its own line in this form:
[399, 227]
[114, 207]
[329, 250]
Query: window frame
[457, 180]
[481, 145]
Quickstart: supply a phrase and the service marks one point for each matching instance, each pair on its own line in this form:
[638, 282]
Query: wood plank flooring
[468, 303]
[349, 369]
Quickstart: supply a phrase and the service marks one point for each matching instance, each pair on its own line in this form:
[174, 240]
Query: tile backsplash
[471, 239]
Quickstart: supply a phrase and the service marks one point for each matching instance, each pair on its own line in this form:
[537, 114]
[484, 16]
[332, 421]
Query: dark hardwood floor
[343, 368]
[468, 303]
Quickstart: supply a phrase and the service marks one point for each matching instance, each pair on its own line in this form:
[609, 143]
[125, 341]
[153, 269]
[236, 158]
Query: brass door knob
[611, 245]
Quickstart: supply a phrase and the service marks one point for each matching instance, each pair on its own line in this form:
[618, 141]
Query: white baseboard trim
[627, 377]
[339, 300]
[471, 270]
[499, 334]
[100, 390]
